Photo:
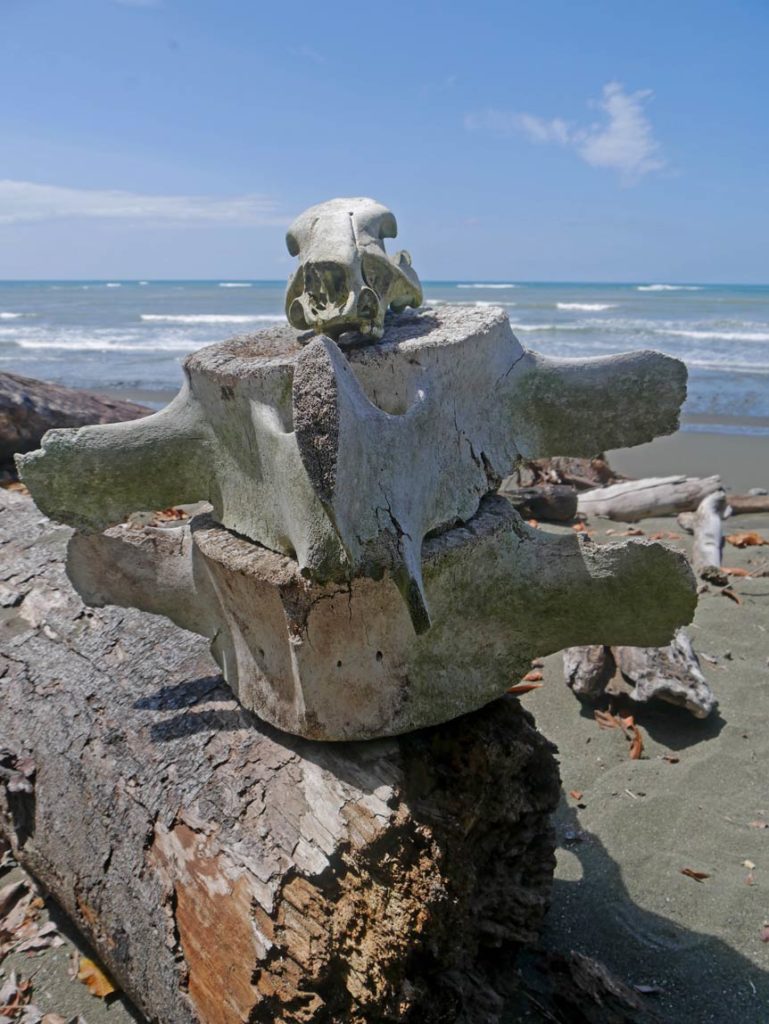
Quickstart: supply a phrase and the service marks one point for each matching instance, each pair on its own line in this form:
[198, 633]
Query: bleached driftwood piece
[708, 536]
[642, 499]
[686, 521]
[748, 504]
[226, 872]
[671, 673]
[587, 670]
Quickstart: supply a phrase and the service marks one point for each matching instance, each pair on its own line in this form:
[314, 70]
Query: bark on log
[641, 499]
[556, 502]
[226, 872]
[708, 538]
[28, 408]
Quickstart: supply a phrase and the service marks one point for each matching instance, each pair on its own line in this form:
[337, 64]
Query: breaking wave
[669, 288]
[487, 286]
[211, 318]
[587, 307]
[234, 284]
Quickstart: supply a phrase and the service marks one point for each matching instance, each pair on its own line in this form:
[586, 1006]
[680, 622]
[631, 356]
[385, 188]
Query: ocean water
[129, 335]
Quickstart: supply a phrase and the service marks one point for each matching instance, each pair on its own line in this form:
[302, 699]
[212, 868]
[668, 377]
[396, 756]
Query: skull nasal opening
[326, 284]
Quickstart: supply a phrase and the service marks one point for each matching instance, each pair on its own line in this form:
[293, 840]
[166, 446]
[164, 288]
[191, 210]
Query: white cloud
[624, 141]
[27, 202]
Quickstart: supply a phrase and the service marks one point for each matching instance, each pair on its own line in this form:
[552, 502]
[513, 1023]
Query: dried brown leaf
[765, 933]
[759, 824]
[576, 794]
[671, 758]
[698, 876]
[94, 979]
[521, 688]
[728, 592]
[606, 720]
[737, 571]
[636, 744]
[533, 677]
[747, 539]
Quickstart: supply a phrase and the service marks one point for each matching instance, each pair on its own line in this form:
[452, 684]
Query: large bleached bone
[347, 461]
[338, 662]
[345, 280]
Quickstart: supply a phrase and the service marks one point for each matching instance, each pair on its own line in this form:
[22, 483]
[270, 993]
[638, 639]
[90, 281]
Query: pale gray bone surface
[345, 280]
[339, 662]
[347, 462]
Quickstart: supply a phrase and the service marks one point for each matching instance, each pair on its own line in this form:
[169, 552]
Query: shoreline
[699, 448]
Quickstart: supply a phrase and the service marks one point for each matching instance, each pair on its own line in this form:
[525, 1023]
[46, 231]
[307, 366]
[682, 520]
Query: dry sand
[619, 893]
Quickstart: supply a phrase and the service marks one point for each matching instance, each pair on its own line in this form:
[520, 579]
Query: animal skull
[345, 280]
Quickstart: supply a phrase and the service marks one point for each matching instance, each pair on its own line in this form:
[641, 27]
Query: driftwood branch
[708, 536]
[227, 872]
[642, 499]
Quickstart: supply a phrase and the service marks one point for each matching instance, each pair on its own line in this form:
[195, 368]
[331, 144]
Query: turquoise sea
[129, 335]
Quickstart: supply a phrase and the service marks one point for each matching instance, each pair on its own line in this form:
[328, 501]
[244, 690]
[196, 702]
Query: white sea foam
[487, 286]
[11, 316]
[91, 344]
[143, 282]
[211, 318]
[587, 307]
[453, 302]
[753, 336]
[669, 288]
[234, 284]
[730, 366]
[114, 284]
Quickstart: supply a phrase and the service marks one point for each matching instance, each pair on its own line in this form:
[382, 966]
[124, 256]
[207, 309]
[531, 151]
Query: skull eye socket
[377, 273]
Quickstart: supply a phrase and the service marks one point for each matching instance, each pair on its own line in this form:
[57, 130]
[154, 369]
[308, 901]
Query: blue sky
[532, 141]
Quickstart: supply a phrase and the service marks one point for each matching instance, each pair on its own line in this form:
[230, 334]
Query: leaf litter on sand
[607, 720]
[746, 539]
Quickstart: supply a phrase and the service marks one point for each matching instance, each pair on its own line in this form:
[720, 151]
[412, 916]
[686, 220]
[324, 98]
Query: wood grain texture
[229, 873]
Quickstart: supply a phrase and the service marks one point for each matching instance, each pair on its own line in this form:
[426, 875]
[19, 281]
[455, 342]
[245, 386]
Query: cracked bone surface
[357, 576]
[345, 280]
[341, 662]
[346, 461]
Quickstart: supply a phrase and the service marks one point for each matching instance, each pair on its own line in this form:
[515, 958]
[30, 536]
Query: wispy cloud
[27, 202]
[622, 141]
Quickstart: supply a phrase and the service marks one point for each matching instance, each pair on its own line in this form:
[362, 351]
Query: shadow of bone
[702, 979]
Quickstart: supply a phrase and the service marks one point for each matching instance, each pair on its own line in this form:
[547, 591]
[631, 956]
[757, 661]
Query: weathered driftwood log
[671, 673]
[556, 502]
[748, 504]
[227, 872]
[708, 537]
[655, 496]
[30, 407]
